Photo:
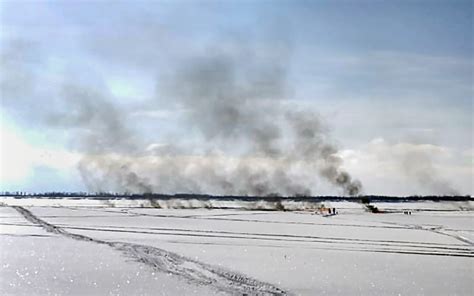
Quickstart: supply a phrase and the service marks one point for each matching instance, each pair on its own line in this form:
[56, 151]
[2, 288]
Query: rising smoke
[236, 105]
[418, 165]
[255, 142]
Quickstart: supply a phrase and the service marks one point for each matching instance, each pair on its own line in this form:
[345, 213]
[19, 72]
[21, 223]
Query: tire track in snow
[439, 230]
[435, 229]
[134, 213]
[256, 235]
[360, 245]
[171, 263]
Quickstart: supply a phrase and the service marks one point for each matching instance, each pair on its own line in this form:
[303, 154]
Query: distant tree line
[366, 199]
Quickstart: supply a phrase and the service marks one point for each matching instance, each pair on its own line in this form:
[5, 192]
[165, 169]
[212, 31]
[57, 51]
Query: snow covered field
[81, 247]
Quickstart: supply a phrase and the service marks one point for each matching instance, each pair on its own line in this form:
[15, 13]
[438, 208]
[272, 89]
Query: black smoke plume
[251, 140]
[237, 105]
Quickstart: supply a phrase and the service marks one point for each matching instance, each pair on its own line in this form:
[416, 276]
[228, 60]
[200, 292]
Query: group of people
[326, 211]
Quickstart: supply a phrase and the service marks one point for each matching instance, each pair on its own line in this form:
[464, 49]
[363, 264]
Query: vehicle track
[238, 234]
[129, 212]
[164, 261]
[435, 229]
[315, 242]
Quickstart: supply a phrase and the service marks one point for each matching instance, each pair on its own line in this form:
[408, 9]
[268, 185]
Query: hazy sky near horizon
[392, 81]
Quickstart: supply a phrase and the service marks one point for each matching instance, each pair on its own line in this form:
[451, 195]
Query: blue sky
[388, 78]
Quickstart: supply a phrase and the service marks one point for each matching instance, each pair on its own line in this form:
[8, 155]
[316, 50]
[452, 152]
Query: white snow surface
[81, 247]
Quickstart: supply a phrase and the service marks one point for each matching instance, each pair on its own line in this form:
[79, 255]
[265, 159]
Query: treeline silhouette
[189, 196]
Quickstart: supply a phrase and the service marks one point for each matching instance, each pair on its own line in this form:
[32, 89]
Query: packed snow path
[172, 263]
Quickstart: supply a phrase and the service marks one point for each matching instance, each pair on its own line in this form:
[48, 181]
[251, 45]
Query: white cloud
[156, 114]
[18, 157]
[408, 168]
